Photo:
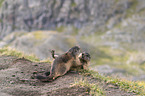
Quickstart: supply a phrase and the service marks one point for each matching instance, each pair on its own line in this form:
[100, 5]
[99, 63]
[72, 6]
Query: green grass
[60, 29]
[73, 4]
[117, 58]
[94, 89]
[116, 1]
[71, 41]
[126, 85]
[39, 35]
[14, 52]
[1, 2]
[132, 8]
[73, 30]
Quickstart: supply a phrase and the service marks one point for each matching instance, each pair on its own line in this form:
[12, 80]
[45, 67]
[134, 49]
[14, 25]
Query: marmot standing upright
[61, 65]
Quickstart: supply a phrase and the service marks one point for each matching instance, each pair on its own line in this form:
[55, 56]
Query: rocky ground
[17, 79]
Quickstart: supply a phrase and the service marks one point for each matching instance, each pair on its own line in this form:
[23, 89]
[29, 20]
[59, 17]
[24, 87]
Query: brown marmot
[61, 65]
[82, 61]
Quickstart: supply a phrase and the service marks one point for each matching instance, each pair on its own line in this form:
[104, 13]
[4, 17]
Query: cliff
[33, 15]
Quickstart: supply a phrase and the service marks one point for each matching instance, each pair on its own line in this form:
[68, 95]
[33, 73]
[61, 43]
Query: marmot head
[85, 56]
[74, 50]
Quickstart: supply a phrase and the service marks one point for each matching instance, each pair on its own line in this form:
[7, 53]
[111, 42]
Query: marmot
[82, 61]
[61, 65]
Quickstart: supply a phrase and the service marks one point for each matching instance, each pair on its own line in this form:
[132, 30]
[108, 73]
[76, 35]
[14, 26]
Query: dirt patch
[6, 62]
[23, 92]
[17, 79]
[71, 91]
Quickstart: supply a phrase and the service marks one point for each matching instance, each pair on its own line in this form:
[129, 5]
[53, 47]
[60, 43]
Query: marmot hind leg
[60, 72]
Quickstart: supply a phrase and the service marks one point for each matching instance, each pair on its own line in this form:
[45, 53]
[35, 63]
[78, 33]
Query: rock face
[130, 32]
[29, 15]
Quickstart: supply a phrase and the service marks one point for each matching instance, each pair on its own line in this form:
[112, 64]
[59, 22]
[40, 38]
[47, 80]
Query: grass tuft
[13, 52]
[94, 89]
[126, 85]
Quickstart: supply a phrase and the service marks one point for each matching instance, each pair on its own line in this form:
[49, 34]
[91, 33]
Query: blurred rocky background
[112, 31]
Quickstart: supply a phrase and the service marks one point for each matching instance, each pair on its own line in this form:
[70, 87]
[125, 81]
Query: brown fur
[82, 61]
[61, 65]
